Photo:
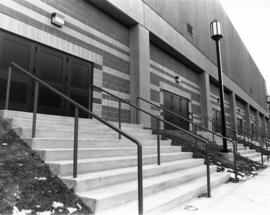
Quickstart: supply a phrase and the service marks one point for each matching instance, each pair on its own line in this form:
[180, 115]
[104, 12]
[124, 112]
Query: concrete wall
[237, 62]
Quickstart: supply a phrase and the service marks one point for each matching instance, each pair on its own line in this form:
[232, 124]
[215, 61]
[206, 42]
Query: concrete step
[21, 122]
[111, 196]
[253, 155]
[65, 167]
[239, 147]
[9, 114]
[163, 201]
[85, 153]
[94, 180]
[26, 132]
[53, 143]
[259, 159]
[107, 166]
[246, 152]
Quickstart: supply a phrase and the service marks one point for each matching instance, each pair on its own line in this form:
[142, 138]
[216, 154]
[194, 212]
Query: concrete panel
[233, 109]
[139, 71]
[205, 99]
[134, 8]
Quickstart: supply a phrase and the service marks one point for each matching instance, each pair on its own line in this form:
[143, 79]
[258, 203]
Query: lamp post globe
[268, 99]
[216, 30]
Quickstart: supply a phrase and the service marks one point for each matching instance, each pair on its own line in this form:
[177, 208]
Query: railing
[78, 107]
[158, 132]
[196, 126]
[247, 135]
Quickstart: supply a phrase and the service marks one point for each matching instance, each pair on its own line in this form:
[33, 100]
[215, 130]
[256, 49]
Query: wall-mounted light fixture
[177, 79]
[57, 20]
[268, 99]
[238, 110]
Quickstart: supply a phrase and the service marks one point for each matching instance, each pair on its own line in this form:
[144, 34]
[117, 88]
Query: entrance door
[51, 68]
[217, 121]
[240, 125]
[79, 78]
[252, 129]
[20, 51]
[68, 74]
[179, 106]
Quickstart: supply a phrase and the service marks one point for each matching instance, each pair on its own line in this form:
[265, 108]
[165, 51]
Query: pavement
[248, 197]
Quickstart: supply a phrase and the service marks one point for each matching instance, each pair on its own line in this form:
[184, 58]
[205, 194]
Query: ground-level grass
[26, 182]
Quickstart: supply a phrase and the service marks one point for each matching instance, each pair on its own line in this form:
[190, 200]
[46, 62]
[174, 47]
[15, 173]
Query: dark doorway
[50, 66]
[68, 74]
[240, 125]
[20, 51]
[178, 105]
[252, 129]
[217, 121]
[79, 78]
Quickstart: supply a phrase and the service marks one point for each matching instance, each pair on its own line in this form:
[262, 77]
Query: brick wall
[163, 69]
[88, 33]
[214, 94]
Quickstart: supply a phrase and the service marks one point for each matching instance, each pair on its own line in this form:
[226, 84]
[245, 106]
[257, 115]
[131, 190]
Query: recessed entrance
[217, 121]
[68, 74]
[178, 105]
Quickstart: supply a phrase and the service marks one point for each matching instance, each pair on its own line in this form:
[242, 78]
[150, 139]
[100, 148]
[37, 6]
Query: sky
[251, 19]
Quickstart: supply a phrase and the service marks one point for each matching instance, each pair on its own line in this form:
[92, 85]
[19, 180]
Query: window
[190, 29]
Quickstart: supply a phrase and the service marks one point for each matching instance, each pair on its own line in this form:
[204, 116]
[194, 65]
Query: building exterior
[159, 50]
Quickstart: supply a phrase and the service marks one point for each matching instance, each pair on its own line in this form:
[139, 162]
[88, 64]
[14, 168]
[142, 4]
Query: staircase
[243, 151]
[107, 166]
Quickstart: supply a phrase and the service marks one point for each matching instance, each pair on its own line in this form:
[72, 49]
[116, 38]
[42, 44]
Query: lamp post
[216, 35]
[268, 102]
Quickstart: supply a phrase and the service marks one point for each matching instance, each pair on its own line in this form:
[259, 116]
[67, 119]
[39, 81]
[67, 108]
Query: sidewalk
[249, 197]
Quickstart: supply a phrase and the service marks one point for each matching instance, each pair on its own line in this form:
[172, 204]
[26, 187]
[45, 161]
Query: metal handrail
[77, 108]
[246, 134]
[199, 126]
[195, 136]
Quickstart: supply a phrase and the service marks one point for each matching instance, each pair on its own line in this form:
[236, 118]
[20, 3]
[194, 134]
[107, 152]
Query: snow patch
[16, 211]
[57, 205]
[79, 206]
[44, 213]
[71, 210]
[190, 208]
[41, 178]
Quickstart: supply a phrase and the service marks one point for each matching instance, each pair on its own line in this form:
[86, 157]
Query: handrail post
[158, 142]
[196, 140]
[208, 172]
[8, 87]
[266, 145]
[34, 122]
[234, 161]
[75, 150]
[137, 112]
[236, 145]
[261, 151]
[140, 179]
[213, 137]
[244, 133]
[119, 118]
